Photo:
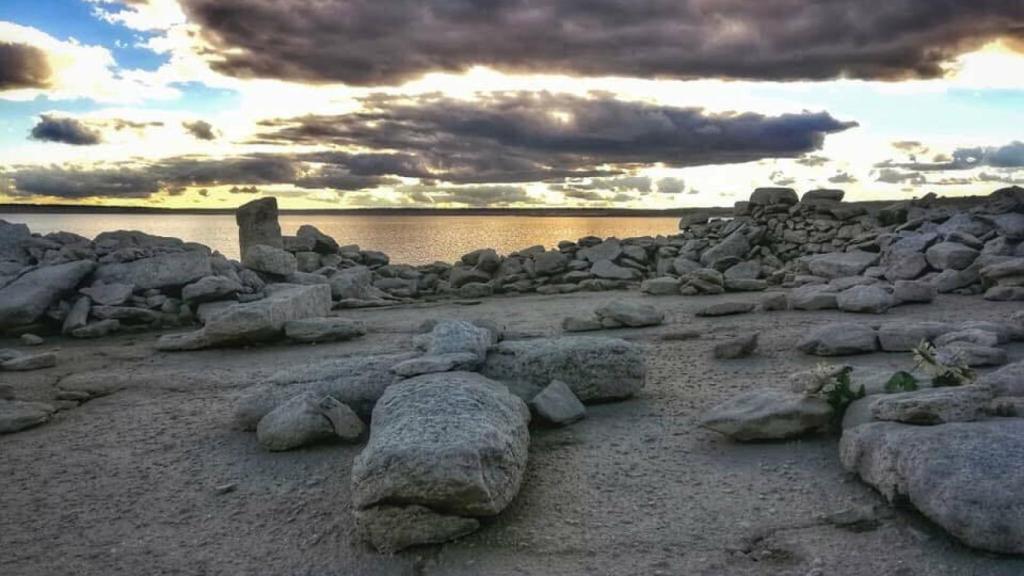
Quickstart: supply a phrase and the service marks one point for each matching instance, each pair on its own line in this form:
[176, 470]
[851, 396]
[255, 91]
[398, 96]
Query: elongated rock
[27, 298]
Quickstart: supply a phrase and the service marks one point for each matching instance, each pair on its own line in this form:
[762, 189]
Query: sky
[513, 103]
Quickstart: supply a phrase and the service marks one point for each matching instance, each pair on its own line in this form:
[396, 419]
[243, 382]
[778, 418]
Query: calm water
[407, 239]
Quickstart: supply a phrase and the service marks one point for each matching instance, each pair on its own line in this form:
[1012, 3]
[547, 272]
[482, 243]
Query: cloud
[892, 176]
[200, 129]
[526, 137]
[812, 160]
[474, 196]
[65, 131]
[640, 184]
[364, 42]
[843, 178]
[76, 183]
[1008, 156]
[780, 179]
[23, 66]
[244, 190]
[671, 186]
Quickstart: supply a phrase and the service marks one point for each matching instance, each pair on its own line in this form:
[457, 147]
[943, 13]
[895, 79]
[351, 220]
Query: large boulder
[633, 314]
[865, 299]
[11, 238]
[966, 477]
[170, 270]
[454, 443]
[903, 336]
[840, 339]
[307, 419]
[768, 415]
[1007, 381]
[108, 294]
[596, 369]
[26, 299]
[270, 260]
[735, 245]
[610, 249]
[841, 264]
[769, 196]
[610, 271]
[354, 284]
[321, 242]
[257, 321]
[210, 288]
[950, 256]
[17, 415]
[257, 224]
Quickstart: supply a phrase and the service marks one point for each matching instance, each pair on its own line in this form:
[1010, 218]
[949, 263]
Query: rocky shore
[449, 404]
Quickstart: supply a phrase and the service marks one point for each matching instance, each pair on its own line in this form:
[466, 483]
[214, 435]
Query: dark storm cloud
[526, 137]
[474, 196]
[65, 131]
[23, 66]
[75, 183]
[843, 178]
[244, 190]
[617, 184]
[200, 130]
[892, 176]
[370, 42]
[1008, 156]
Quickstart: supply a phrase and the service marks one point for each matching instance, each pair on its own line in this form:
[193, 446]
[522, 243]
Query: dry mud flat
[152, 479]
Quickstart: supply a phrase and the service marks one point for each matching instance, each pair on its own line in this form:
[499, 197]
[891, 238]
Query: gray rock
[608, 270]
[933, 406]
[632, 314]
[736, 347]
[16, 415]
[582, 324]
[29, 339]
[840, 264]
[903, 336]
[813, 297]
[1006, 381]
[769, 196]
[108, 294]
[683, 265]
[840, 339]
[257, 224]
[768, 415]
[255, 321]
[97, 329]
[556, 404]
[461, 276]
[78, 315]
[432, 364]
[301, 421]
[26, 299]
[323, 329]
[390, 529]
[11, 238]
[965, 477]
[972, 355]
[163, 271]
[1010, 225]
[865, 299]
[550, 263]
[30, 362]
[906, 266]
[971, 335]
[596, 369]
[322, 243]
[1005, 294]
[735, 245]
[357, 381]
[354, 283]
[609, 250]
[270, 260]
[127, 314]
[455, 442]
[827, 195]
[210, 288]
[913, 292]
[663, 286]
[950, 280]
[726, 309]
[455, 337]
[950, 256]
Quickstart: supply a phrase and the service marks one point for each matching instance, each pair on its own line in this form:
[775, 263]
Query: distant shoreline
[535, 212]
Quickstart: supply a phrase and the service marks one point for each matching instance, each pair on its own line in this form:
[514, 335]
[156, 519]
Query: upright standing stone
[257, 224]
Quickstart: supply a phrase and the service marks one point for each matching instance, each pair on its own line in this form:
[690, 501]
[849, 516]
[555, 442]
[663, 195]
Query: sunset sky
[517, 103]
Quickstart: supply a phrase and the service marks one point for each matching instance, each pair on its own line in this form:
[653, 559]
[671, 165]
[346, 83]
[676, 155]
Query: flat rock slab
[596, 369]
[454, 443]
[1007, 381]
[740, 347]
[390, 529]
[27, 298]
[632, 314]
[841, 264]
[726, 309]
[30, 362]
[768, 415]
[934, 406]
[307, 419]
[966, 477]
[432, 364]
[840, 339]
[163, 271]
[865, 300]
[16, 415]
[323, 329]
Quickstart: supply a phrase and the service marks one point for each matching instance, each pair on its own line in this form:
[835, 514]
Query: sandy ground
[127, 483]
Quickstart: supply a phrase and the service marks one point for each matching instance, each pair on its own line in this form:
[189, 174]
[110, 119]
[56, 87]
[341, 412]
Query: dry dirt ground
[128, 483]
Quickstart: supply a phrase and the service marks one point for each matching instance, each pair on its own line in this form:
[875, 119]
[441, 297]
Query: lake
[406, 239]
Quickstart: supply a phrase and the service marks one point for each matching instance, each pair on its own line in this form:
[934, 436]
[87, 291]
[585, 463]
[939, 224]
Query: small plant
[944, 371]
[901, 381]
[837, 389]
